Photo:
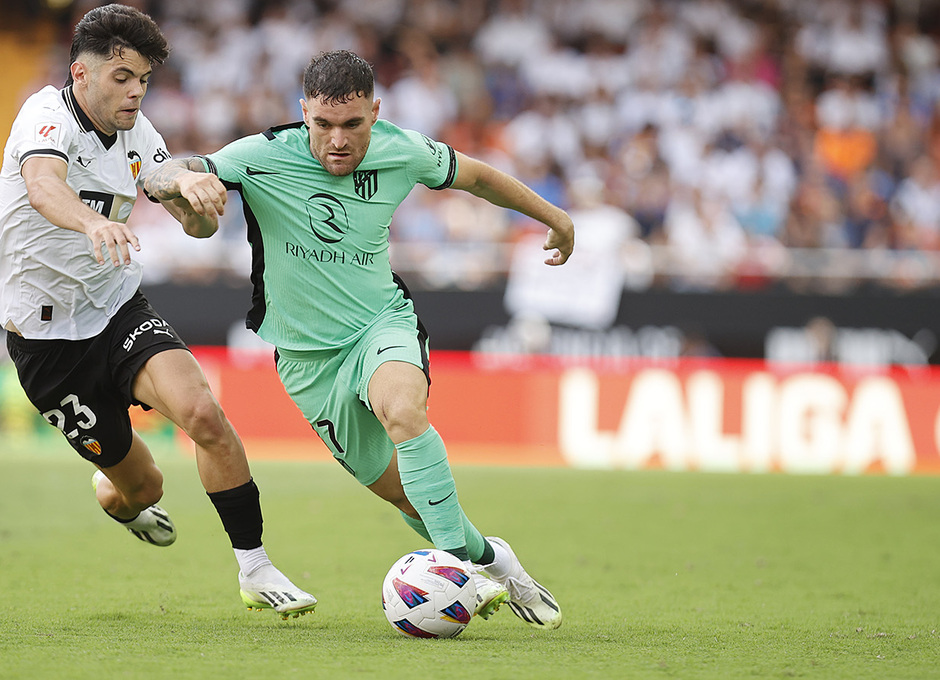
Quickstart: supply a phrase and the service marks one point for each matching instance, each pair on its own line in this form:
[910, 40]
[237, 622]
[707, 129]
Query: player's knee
[404, 420]
[204, 422]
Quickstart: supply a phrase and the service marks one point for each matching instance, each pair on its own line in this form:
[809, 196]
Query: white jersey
[51, 285]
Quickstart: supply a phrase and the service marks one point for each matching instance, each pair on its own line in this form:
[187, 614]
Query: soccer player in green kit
[319, 196]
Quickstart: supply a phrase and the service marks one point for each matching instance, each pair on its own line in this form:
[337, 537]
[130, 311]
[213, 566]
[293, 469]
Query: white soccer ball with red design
[429, 594]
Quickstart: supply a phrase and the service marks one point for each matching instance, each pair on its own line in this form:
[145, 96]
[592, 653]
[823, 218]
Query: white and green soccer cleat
[268, 588]
[528, 599]
[153, 525]
[490, 594]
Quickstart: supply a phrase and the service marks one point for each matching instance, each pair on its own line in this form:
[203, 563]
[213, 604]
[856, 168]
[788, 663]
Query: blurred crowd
[701, 144]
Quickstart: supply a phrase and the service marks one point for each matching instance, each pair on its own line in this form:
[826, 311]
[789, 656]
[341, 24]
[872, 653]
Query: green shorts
[331, 389]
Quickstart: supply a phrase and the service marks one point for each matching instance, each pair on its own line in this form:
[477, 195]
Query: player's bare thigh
[173, 383]
[170, 380]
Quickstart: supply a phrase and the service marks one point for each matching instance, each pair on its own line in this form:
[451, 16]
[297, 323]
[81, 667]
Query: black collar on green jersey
[84, 122]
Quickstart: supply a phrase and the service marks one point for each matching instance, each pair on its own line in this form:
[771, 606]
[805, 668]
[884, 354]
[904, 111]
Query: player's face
[110, 90]
[340, 133]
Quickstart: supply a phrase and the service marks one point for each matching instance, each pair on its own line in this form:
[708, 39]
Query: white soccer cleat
[528, 599]
[268, 588]
[153, 525]
[490, 594]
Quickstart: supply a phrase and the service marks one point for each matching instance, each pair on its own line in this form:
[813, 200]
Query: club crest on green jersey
[366, 183]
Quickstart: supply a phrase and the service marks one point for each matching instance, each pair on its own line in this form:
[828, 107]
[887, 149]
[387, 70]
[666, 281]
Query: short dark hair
[338, 76]
[111, 29]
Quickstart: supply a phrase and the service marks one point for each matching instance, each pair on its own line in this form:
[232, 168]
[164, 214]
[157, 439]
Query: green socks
[429, 486]
[479, 550]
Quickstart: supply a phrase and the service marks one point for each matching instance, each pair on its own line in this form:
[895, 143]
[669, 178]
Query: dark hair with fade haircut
[109, 30]
[338, 76]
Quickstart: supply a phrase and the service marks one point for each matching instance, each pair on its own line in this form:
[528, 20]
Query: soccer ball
[429, 594]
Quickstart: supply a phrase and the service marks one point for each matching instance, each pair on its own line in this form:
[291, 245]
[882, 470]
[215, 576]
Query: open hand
[116, 238]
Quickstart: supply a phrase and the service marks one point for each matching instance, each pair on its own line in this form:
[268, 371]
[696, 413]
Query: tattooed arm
[193, 196]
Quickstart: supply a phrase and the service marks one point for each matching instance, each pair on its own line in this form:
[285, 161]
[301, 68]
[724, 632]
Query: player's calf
[153, 525]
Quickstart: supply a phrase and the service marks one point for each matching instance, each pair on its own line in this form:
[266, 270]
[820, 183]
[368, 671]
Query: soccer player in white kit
[85, 342]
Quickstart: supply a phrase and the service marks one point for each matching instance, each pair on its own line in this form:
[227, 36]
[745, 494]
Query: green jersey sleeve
[233, 162]
[434, 164]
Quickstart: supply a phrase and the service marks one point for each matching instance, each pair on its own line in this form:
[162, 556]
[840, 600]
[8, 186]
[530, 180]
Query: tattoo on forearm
[163, 184]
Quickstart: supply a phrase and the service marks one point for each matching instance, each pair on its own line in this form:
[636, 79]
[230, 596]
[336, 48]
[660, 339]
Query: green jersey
[320, 266]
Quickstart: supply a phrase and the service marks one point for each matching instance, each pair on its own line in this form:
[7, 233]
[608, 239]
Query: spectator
[916, 206]
[708, 242]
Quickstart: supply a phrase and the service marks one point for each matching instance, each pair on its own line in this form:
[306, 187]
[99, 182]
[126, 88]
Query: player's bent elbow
[198, 228]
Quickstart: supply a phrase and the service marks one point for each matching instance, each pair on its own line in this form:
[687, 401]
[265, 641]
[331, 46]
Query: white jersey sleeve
[43, 128]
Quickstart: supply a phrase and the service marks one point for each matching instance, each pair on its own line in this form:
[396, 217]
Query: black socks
[240, 512]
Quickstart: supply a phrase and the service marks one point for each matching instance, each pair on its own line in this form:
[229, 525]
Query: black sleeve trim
[208, 161]
[44, 152]
[231, 186]
[451, 171]
[212, 169]
[271, 131]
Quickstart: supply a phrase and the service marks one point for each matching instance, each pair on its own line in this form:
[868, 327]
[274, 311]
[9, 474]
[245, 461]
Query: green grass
[661, 575]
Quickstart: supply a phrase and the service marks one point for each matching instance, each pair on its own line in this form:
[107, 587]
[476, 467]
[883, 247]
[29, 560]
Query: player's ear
[303, 107]
[375, 109]
[79, 71]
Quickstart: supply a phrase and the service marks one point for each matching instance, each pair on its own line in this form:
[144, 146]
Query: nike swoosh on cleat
[442, 500]
[383, 349]
[253, 172]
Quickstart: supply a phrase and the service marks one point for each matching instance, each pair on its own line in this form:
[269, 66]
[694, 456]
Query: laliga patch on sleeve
[47, 132]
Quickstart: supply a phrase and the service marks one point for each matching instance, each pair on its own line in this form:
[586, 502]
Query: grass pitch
[661, 575]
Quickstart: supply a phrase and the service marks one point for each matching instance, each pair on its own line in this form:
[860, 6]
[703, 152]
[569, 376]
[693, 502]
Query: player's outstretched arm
[55, 200]
[495, 186]
[193, 196]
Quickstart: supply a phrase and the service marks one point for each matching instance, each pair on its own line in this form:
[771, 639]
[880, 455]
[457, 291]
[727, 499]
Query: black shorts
[85, 387]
